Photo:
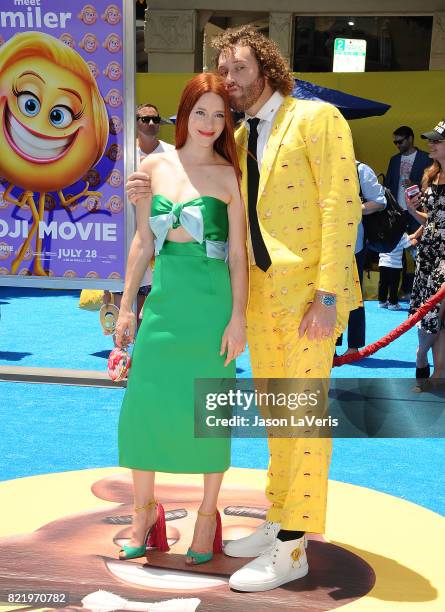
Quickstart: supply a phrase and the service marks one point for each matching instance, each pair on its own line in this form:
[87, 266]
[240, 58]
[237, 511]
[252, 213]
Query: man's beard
[250, 94]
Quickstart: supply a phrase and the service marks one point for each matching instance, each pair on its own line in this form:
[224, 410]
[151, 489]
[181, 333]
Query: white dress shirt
[266, 114]
[372, 191]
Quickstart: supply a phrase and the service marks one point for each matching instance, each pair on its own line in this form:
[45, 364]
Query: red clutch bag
[119, 362]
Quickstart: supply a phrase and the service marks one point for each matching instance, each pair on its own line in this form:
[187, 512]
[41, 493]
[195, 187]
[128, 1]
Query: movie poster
[62, 135]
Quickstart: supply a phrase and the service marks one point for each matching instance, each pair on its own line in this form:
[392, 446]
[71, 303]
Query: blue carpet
[44, 328]
[51, 428]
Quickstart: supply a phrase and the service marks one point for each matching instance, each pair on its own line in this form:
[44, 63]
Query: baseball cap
[438, 133]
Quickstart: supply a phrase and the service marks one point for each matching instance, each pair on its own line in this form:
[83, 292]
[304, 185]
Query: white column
[437, 55]
[171, 40]
[281, 26]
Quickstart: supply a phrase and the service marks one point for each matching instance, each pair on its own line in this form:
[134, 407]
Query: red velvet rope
[395, 333]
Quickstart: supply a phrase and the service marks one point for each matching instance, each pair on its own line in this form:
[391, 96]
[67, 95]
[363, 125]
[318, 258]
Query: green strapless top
[204, 218]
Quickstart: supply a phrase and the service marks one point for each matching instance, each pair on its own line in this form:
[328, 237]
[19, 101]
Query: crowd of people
[423, 237]
[286, 279]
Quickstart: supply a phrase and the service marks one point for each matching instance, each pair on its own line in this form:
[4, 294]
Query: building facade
[401, 34]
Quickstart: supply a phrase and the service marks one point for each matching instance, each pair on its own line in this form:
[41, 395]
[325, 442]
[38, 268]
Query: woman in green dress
[194, 318]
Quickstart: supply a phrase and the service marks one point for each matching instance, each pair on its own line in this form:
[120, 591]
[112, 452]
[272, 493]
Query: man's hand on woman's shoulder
[138, 186]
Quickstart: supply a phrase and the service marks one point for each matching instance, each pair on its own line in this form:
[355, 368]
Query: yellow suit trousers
[298, 469]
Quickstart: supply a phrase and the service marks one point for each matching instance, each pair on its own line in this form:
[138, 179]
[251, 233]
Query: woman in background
[430, 263]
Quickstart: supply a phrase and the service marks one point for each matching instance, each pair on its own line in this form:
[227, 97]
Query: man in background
[373, 200]
[148, 122]
[405, 169]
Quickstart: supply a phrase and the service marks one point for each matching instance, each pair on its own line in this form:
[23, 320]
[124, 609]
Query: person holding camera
[373, 199]
[428, 208]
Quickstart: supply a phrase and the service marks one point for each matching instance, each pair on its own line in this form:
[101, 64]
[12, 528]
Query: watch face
[328, 300]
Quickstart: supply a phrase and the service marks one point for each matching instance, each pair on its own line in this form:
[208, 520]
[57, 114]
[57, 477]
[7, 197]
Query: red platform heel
[156, 535]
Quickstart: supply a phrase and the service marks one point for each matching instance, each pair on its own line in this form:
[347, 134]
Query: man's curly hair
[272, 64]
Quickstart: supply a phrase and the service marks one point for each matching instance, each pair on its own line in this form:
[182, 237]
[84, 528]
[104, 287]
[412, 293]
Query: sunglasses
[155, 119]
[432, 141]
[397, 142]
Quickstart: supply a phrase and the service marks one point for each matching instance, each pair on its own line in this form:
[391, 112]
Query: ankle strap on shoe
[206, 513]
[146, 506]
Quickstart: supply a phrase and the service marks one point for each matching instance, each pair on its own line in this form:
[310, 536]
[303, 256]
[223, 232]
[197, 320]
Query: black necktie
[260, 253]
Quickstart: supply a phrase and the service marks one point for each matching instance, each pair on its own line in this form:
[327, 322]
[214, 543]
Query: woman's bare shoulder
[155, 161]
[167, 155]
[229, 181]
[221, 161]
[148, 164]
[227, 170]
[224, 168]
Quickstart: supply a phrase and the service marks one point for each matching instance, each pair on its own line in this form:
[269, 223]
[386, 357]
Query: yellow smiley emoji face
[53, 121]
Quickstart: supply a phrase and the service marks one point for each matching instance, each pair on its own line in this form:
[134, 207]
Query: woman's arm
[139, 257]
[234, 338]
[417, 235]
[412, 204]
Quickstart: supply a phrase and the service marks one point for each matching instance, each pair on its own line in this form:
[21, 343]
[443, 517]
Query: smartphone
[412, 191]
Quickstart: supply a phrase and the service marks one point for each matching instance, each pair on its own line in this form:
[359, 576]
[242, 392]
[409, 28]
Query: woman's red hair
[198, 86]
[430, 174]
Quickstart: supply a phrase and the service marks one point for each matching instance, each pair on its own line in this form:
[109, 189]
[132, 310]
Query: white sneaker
[383, 304]
[281, 563]
[394, 307]
[255, 543]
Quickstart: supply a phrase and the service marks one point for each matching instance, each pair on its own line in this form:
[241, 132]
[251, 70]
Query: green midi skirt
[179, 341]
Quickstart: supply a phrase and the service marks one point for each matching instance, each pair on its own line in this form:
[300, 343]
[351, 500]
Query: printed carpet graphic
[65, 513]
[70, 544]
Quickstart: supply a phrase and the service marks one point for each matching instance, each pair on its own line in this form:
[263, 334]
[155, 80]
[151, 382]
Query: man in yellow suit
[301, 191]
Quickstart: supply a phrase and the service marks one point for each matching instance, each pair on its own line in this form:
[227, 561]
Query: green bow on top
[185, 215]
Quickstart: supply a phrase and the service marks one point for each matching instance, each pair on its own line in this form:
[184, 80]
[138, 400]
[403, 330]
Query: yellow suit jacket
[308, 203]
